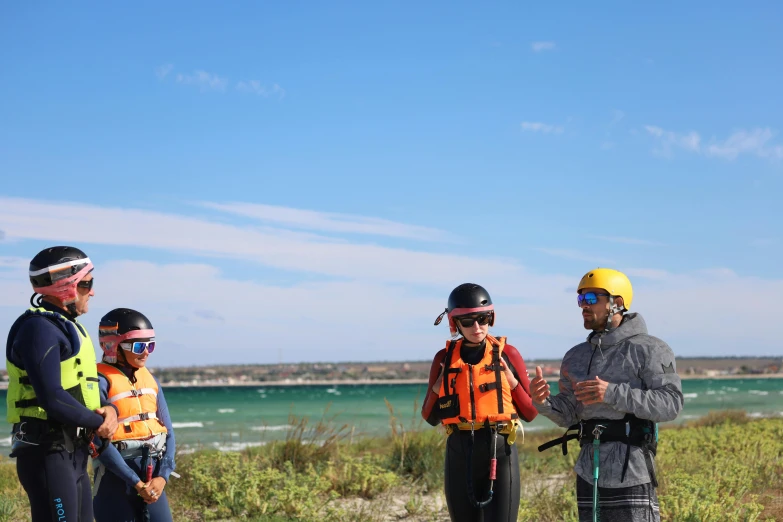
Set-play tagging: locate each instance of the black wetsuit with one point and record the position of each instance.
(505, 502)
(50, 461)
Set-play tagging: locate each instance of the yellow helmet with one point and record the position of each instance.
(613, 281)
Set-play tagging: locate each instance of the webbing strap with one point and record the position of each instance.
(133, 393)
(498, 382)
(447, 365)
(139, 417)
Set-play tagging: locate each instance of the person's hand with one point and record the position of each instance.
(591, 392)
(438, 382)
(109, 426)
(155, 488)
(512, 381)
(144, 492)
(539, 389)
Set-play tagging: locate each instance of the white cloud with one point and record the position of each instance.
(329, 221)
(542, 46)
(668, 140)
(277, 248)
(545, 128)
(617, 116)
(367, 298)
(204, 80)
(164, 70)
(648, 273)
(763, 242)
(626, 240)
(576, 255)
(203, 316)
(754, 142)
(256, 87)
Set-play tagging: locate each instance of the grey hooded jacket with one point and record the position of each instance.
(643, 381)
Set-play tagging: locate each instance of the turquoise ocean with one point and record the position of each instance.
(235, 417)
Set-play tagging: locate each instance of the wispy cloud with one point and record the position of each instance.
(545, 128)
(329, 221)
(756, 142)
(364, 282)
(576, 255)
(617, 116)
(648, 273)
(204, 80)
(164, 70)
(256, 87)
(542, 46)
(627, 240)
(667, 140)
(275, 248)
(764, 242)
(752, 142)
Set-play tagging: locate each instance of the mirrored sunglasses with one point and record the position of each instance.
(138, 347)
(590, 298)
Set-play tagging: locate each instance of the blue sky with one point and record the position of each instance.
(312, 180)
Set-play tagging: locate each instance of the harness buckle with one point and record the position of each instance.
(599, 428)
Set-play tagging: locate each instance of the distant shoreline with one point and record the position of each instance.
(347, 382)
(359, 382)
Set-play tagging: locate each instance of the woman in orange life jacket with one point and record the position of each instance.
(132, 471)
(478, 389)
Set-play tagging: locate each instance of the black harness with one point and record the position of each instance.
(631, 430)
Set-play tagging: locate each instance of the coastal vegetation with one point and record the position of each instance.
(724, 467)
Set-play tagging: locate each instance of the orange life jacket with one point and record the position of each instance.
(475, 392)
(137, 403)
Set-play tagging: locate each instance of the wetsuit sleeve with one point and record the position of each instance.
(560, 408)
(167, 465)
(103, 387)
(662, 400)
(521, 394)
(109, 456)
(41, 344)
(431, 397)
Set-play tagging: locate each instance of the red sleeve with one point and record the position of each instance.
(521, 394)
(430, 397)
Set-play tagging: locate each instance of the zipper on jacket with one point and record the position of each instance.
(472, 396)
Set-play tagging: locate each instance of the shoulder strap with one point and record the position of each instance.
(498, 381)
(447, 365)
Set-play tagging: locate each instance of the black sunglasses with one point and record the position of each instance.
(467, 322)
(87, 285)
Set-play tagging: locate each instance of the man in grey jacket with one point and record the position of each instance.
(614, 388)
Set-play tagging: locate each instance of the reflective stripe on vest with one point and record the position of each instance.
(137, 403)
(133, 393)
(481, 389)
(78, 374)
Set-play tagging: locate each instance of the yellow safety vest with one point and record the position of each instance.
(78, 376)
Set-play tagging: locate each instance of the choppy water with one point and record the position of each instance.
(237, 417)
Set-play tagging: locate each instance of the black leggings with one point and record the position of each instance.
(505, 501)
(57, 484)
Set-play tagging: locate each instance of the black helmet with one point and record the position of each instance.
(467, 298)
(119, 325)
(55, 264)
(468, 295)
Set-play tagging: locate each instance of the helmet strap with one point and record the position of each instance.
(35, 300)
(71, 307)
(613, 309)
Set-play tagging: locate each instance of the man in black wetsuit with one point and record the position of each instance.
(53, 395)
